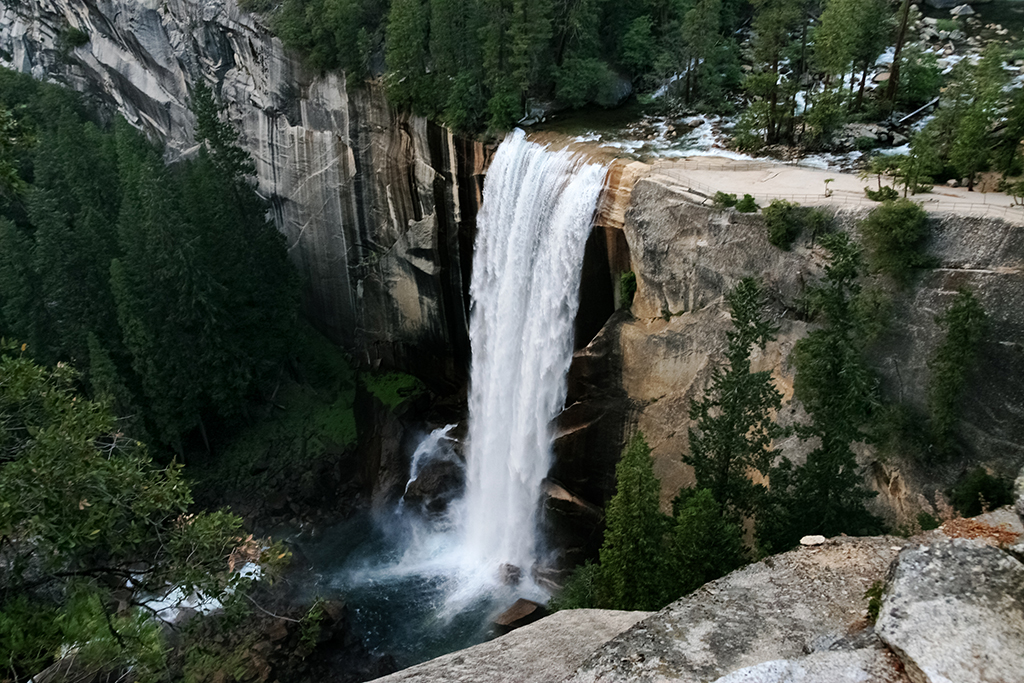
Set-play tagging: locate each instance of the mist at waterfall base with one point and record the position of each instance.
(422, 585)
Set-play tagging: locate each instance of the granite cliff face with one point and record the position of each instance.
(647, 363)
(378, 207)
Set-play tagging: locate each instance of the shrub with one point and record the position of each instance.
(874, 596)
(580, 591)
(627, 289)
(723, 200)
(927, 522)
(883, 194)
(747, 204)
(74, 37)
(783, 222)
(978, 491)
(865, 143)
(894, 233)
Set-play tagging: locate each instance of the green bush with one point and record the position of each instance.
(580, 591)
(73, 37)
(865, 143)
(894, 233)
(946, 25)
(747, 204)
(927, 522)
(783, 222)
(724, 201)
(883, 194)
(874, 596)
(393, 388)
(978, 491)
(627, 289)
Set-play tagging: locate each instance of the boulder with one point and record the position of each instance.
(436, 484)
(954, 611)
(521, 613)
(785, 607)
(545, 651)
(942, 4)
(962, 11)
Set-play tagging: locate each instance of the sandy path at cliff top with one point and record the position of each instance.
(766, 180)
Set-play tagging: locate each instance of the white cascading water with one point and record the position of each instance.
(420, 585)
(537, 213)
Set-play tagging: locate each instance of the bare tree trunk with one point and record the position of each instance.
(889, 100)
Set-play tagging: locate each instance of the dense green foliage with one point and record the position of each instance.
(84, 512)
(747, 204)
(733, 427)
(978, 491)
(965, 324)
(786, 220)
(826, 494)
(166, 285)
(894, 234)
(480, 63)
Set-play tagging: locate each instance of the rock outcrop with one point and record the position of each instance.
(545, 651)
(952, 610)
(955, 612)
(786, 607)
(687, 256)
(378, 207)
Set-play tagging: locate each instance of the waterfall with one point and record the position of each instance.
(537, 213)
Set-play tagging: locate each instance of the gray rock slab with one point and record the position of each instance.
(876, 665)
(545, 651)
(954, 613)
(784, 607)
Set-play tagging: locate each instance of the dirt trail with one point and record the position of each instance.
(766, 180)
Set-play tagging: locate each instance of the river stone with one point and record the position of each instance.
(954, 613)
(545, 651)
(784, 607)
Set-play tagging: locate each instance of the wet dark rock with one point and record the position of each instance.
(436, 485)
(510, 575)
(521, 613)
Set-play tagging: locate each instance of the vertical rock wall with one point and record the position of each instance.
(378, 207)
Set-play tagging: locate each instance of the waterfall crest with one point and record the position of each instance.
(537, 213)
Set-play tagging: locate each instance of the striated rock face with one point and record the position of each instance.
(955, 612)
(378, 208)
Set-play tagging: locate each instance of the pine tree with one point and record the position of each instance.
(826, 495)
(406, 55)
(634, 557)
(965, 323)
(705, 544)
(733, 427)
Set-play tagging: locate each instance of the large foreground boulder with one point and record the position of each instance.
(954, 612)
(545, 651)
(786, 607)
